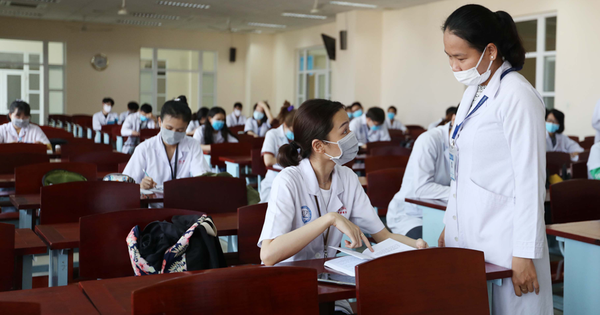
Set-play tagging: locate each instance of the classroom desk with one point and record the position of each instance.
(60, 238)
(582, 265)
(27, 244)
(7, 180)
(54, 301)
(234, 163)
(433, 218)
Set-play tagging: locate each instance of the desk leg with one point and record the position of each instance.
(98, 137)
(26, 272)
(26, 218)
(433, 224)
(259, 180)
(89, 133)
(58, 268)
(233, 169)
(582, 277)
(106, 138)
(119, 143)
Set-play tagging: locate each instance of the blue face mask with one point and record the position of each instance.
(391, 116)
(143, 118)
(218, 125)
(552, 128)
(375, 128)
(350, 115)
(289, 135)
(258, 115)
(357, 113)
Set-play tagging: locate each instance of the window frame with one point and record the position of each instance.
(301, 90)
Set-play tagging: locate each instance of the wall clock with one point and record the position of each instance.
(99, 62)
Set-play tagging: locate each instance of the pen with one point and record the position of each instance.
(145, 173)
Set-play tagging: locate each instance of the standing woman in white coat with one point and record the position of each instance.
(497, 159)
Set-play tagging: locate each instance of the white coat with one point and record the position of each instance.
(594, 159)
(217, 137)
(435, 124)
(252, 125)
(395, 124)
(293, 204)
(427, 176)
(134, 123)
(274, 139)
(233, 121)
(99, 120)
(192, 126)
(596, 122)
(151, 156)
(30, 134)
(364, 134)
(563, 144)
(496, 203)
(123, 116)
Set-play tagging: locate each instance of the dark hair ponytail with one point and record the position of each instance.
(314, 120)
(479, 27)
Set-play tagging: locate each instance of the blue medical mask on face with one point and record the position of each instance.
(391, 115)
(552, 128)
(357, 113)
(350, 115)
(375, 128)
(258, 115)
(289, 135)
(143, 118)
(218, 124)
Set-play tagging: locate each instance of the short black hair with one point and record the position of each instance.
(21, 106)
(356, 104)
(108, 100)
(560, 116)
(238, 104)
(393, 107)
(176, 109)
(182, 98)
(451, 110)
(133, 106)
(376, 114)
(146, 108)
(202, 113)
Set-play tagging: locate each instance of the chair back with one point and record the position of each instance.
(390, 150)
(397, 135)
(3, 119)
(258, 163)
(239, 290)
(105, 161)
(415, 131)
(219, 194)
(379, 144)
(102, 249)
(579, 170)
(148, 133)
(382, 185)
(10, 161)
(28, 179)
(66, 203)
(23, 148)
(575, 200)
(82, 120)
(584, 156)
(574, 138)
(419, 290)
(21, 308)
(236, 129)
(56, 133)
(250, 224)
(555, 161)
(113, 131)
(69, 149)
(374, 163)
(228, 149)
(7, 252)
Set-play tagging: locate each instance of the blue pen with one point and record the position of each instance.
(146, 173)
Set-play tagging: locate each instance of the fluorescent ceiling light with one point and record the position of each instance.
(184, 4)
(267, 25)
(20, 13)
(139, 23)
(305, 16)
(156, 16)
(354, 4)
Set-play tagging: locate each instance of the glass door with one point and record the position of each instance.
(12, 87)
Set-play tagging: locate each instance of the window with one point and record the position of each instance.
(314, 75)
(168, 73)
(539, 39)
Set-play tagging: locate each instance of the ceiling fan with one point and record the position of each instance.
(84, 28)
(231, 29)
(123, 9)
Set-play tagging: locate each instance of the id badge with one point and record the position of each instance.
(453, 156)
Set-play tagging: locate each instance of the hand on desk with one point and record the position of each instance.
(441, 241)
(147, 183)
(524, 276)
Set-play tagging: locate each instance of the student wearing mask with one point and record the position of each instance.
(261, 120)
(19, 128)
(274, 140)
(391, 122)
(596, 121)
(315, 199)
(357, 110)
(132, 108)
(451, 111)
(201, 116)
(106, 116)
(370, 127)
(427, 176)
(143, 119)
(236, 118)
(170, 154)
(349, 112)
(497, 159)
(555, 140)
(214, 130)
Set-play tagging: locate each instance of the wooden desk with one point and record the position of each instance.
(54, 301)
(27, 244)
(7, 180)
(582, 265)
(234, 163)
(433, 217)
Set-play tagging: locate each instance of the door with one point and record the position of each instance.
(12, 87)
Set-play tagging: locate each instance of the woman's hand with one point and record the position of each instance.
(441, 241)
(524, 276)
(574, 154)
(147, 183)
(351, 230)
(421, 244)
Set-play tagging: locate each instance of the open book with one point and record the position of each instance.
(346, 264)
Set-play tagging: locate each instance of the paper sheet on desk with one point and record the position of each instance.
(157, 189)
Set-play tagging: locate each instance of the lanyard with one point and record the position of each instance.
(366, 130)
(173, 173)
(326, 237)
(483, 99)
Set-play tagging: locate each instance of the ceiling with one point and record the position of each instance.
(239, 12)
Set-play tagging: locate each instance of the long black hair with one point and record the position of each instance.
(479, 27)
(560, 117)
(264, 119)
(314, 120)
(209, 130)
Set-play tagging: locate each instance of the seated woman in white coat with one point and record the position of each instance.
(274, 140)
(132, 108)
(370, 127)
(427, 176)
(392, 122)
(214, 130)
(19, 129)
(555, 140)
(450, 111)
(236, 118)
(170, 154)
(199, 121)
(261, 120)
(314, 199)
(133, 124)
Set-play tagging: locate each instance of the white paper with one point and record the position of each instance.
(344, 264)
(387, 247)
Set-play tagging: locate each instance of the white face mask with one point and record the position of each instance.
(348, 149)
(171, 137)
(472, 76)
(20, 123)
(237, 112)
(107, 108)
